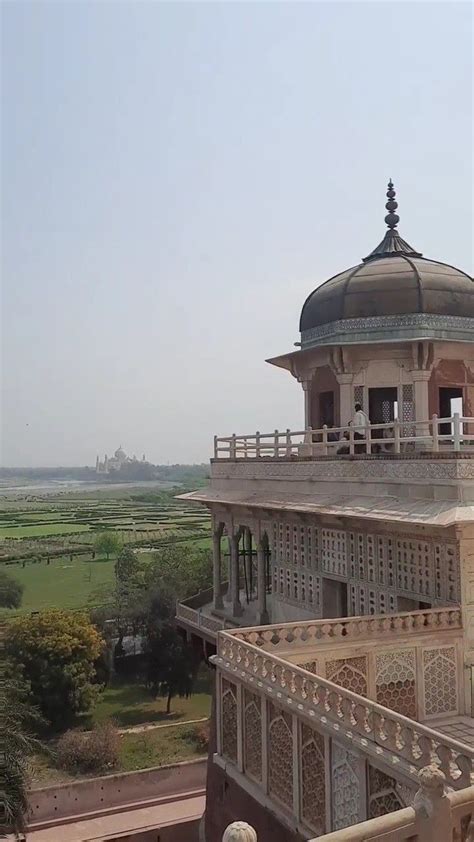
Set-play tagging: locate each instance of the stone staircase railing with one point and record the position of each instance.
(434, 817)
(377, 728)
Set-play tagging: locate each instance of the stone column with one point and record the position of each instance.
(237, 609)
(248, 559)
(420, 390)
(216, 559)
(228, 597)
(306, 384)
(262, 613)
(346, 408)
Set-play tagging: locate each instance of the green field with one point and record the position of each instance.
(36, 531)
(63, 583)
(63, 527)
(131, 704)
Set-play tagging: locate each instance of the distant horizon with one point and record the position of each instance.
(92, 466)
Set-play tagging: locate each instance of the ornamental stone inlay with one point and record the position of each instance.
(375, 328)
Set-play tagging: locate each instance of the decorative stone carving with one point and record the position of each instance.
(440, 680)
(229, 720)
(239, 832)
(383, 795)
(383, 328)
(252, 735)
(395, 681)
(350, 673)
(280, 755)
(313, 779)
(432, 789)
(345, 787)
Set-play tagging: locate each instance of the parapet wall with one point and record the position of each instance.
(96, 795)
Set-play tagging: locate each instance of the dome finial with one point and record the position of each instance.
(392, 219)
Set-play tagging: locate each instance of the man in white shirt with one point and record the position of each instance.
(360, 422)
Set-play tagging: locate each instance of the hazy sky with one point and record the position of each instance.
(178, 177)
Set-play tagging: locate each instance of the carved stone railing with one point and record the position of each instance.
(195, 617)
(394, 437)
(349, 629)
(435, 817)
(375, 728)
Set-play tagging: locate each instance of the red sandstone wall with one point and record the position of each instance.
(227, 802)
(451, 373)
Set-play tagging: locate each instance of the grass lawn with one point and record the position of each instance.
(131, 704)
(41, 531)
(138, 751)
(63, 584)
(159, 747)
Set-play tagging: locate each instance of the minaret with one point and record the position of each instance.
(97, 465)
(106, 464)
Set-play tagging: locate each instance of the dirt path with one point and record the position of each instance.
(152, 726)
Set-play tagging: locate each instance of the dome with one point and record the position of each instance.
(393, 281)
(120, 453)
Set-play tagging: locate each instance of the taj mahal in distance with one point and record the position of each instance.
(117, 462)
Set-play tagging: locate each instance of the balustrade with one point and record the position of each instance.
(349, 629)
(355, 717)
(394, 437)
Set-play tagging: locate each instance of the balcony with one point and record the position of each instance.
(434, 436)
(415, 472)
(328, 723)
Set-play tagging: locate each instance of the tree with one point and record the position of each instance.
(182, 568)
(128, 567)
(170, 664)
(18, 719)
(11, 591)
(107, 542)
(55, 652)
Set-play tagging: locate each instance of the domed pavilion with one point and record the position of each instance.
(341, 620)
(391, 333)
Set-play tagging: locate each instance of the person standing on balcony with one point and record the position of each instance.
(360, 422)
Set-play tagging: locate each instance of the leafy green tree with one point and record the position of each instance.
(182, 568)
(107, 542)
(170, 664)
(128, 568)
(55, 652)
(11, 591)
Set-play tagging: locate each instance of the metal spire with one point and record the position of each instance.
(392, 244)
(392, 219)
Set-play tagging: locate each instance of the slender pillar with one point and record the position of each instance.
(262, 613)
(346, 409)
(306, 384)
(422, 412)
(248, 560)
(230, 573)
(216, 558)
(237, 609)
